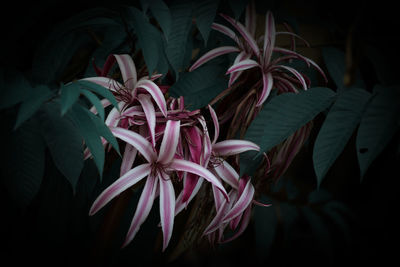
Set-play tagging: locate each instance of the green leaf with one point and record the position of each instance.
(181, 12)
(200, 86)
(378, 125)
(339, 125)
(162, 14)
(205, 12)
(88, 130)
(36, 98)
(24, 168)
(281, 117)
(63, 140)
(336, 65)
(98, 89)
(95, 102)
(69, 95)
(14, 87)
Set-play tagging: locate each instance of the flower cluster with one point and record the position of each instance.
(170, 148)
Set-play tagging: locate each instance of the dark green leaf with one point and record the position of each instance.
(200, 86)
(342, 120)
(95, 102)
(98, 89)
(205, 12)
(281, 117)
(69, 95)
(378, 125)
(64, 142)
(181, 12)
(24, 168)
(14, 87)
(37, 96)
(161, 13)
(88, 130)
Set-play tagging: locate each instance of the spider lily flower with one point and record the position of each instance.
(158, 170)
(273, 72)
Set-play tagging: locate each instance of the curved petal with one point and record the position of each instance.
(128, 70)
(269, 37)
(235, 75)
(233, 147)
(128, 159)
(242, 65)
(114, 116)
(243, 202)
(108, 83)
(245, 222)
(225, 30)
(180, 204)
(169, 142)
(296, 74)
(143, 208)
(190, 183)
(267, 86)
(137, 141)
(187, 166)
(214, 118)
(123, 183)
(150, 114)
(156, 93)
(227, 173)
(167, 207)
(213, 54)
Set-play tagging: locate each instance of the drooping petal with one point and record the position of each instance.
(213, 54)
(124, 182)
(225, 30)
(267, 86)
(269, 37)
(250, 19)
(214, 118)
(167, 207)
(245, 222)
(150, 114)
(128, 70)
(109, 83)
(243, 202)
(169, 142)
(180, 204)
(233, 147)
(296, 74)
(184, 165)
(156, 93)
(242, 65)
(143, 208)
(137, 141)
(235, 75)
(245, 34)
(189, 184)
(128, 159)
(227, 173)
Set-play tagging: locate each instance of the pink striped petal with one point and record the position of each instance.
(167, 207)
(269, 37)
(193, 138)
(108, 83)
(156, 93)
(235, 75)
(267, 86)
(213, 54)
(128, 159)
(245, 222)
(216, 123)
(243, 202)
(128, 70)
(137, 141)
(169, 142)
(225, 30)
(187, 166)
(250, 19)
(245, 34)
(143, 208)
(110, 61)
(242, 65)
(227, 173)
(190, 183)
(150, 114)
(233, 147)
(180, 205)
(296, 74)
(123, 183)
(114, 116)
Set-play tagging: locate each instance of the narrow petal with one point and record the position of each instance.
(227, 173)
(123, 183)
(167, 207)
(128, 70)
(184, 165)
(245, 222)
(193, 139)
(143, 208)
(214, 118)
(213, 54)
(243, 202)
(235, 75)
(242, 65)
(180, 205)
(114, 116)
(128, 159)
(245, 34)
(250, 19)
(190, 183)
(169, 142)
(137, 141)
(225, 30)
(296, 74)
(267, 86)
(109, 83)
(269, 37)
(233, 147)
(110, 61)
(150, 114)
(156, 93)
